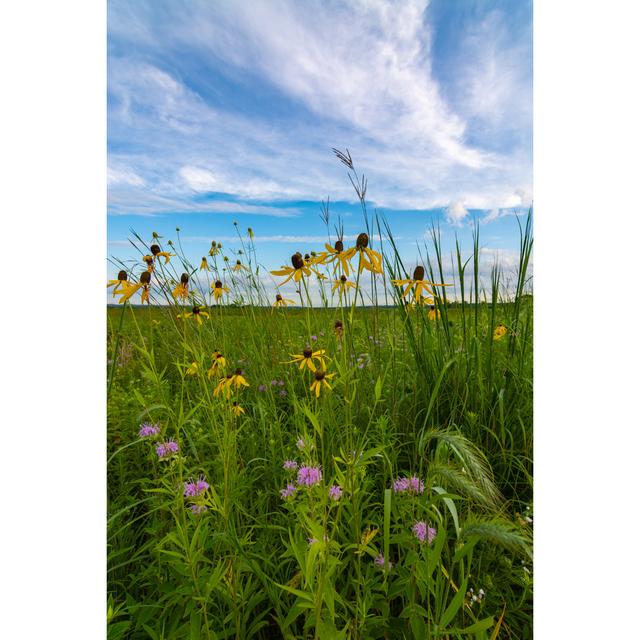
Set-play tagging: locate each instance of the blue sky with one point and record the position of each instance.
(223, 111)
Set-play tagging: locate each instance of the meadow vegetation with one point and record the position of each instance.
(355, 467)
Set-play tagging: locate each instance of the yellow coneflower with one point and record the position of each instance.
(343, 285)
(297, 271)
(419, 285)
(282, 302)
(237, 409)
(145, 279)
(156, 251)
(500, 332)
(196, 313)
(223, 387)
(237, 380)
(214, 251)
(433, 313)
(337, 256)
(306, 358)
(219, 364)
(369, 259)
(238, 266)
(219, 289)
(193, 369)
(128, 289)
(182, 289)
(119, 284)
(320, 380)
(148, 260)
(204, 265)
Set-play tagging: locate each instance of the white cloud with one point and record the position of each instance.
(368, 85)
(123, 176)
(456, 212)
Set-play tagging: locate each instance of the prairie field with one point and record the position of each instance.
(346, 464)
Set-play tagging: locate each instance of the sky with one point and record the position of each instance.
(223, 112)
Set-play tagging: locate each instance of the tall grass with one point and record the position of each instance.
(414, 394)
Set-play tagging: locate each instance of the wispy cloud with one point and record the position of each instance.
(209, 96)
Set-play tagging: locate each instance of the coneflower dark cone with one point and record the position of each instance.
(122, 275)
(362, 241)
(155, 249)
(145, 277)
(218, 284)
(184, 278)
(339, 246)
(297, 261)
(418, 273)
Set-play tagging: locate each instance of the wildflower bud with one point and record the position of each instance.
(218, 284)
(278, 297)
(307, 352)
(155, 234)
(213, 243)
(145, 277)
(184, 278)
(170, 243)
(122, 275)
(297, 261)
(178, 229)
(339, 246)
(314, 254)
(343, 278)
(418, 273)
(219, 245)
(362, 241)
(155, 249)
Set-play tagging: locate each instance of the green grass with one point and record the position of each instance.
(436, 398)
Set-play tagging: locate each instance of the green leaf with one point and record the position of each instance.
(454, 605)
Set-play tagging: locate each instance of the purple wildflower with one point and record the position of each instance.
(314, 338)
(382, 563)
(195, 488)
(300, 443)
(198, 508)
(165, 449)
(262, 387)
(290, 465)
(309, 476)
(408, 485)
(283, 393)
(147, 430)
(423, 532)
(281, 383)
(311, 541)
(335, 492)
(274, 383)
(289, 490)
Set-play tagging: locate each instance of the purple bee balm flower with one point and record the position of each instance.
(314, 338)
(290, 465)
(274, 383)
(382, 563)
(262, 387)
(335, 492)
(408, 485)
(423, 532)
(165, 449)
(195, 488)
(288, 491)
(309, 476)
(147, 430)
(400, 485)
